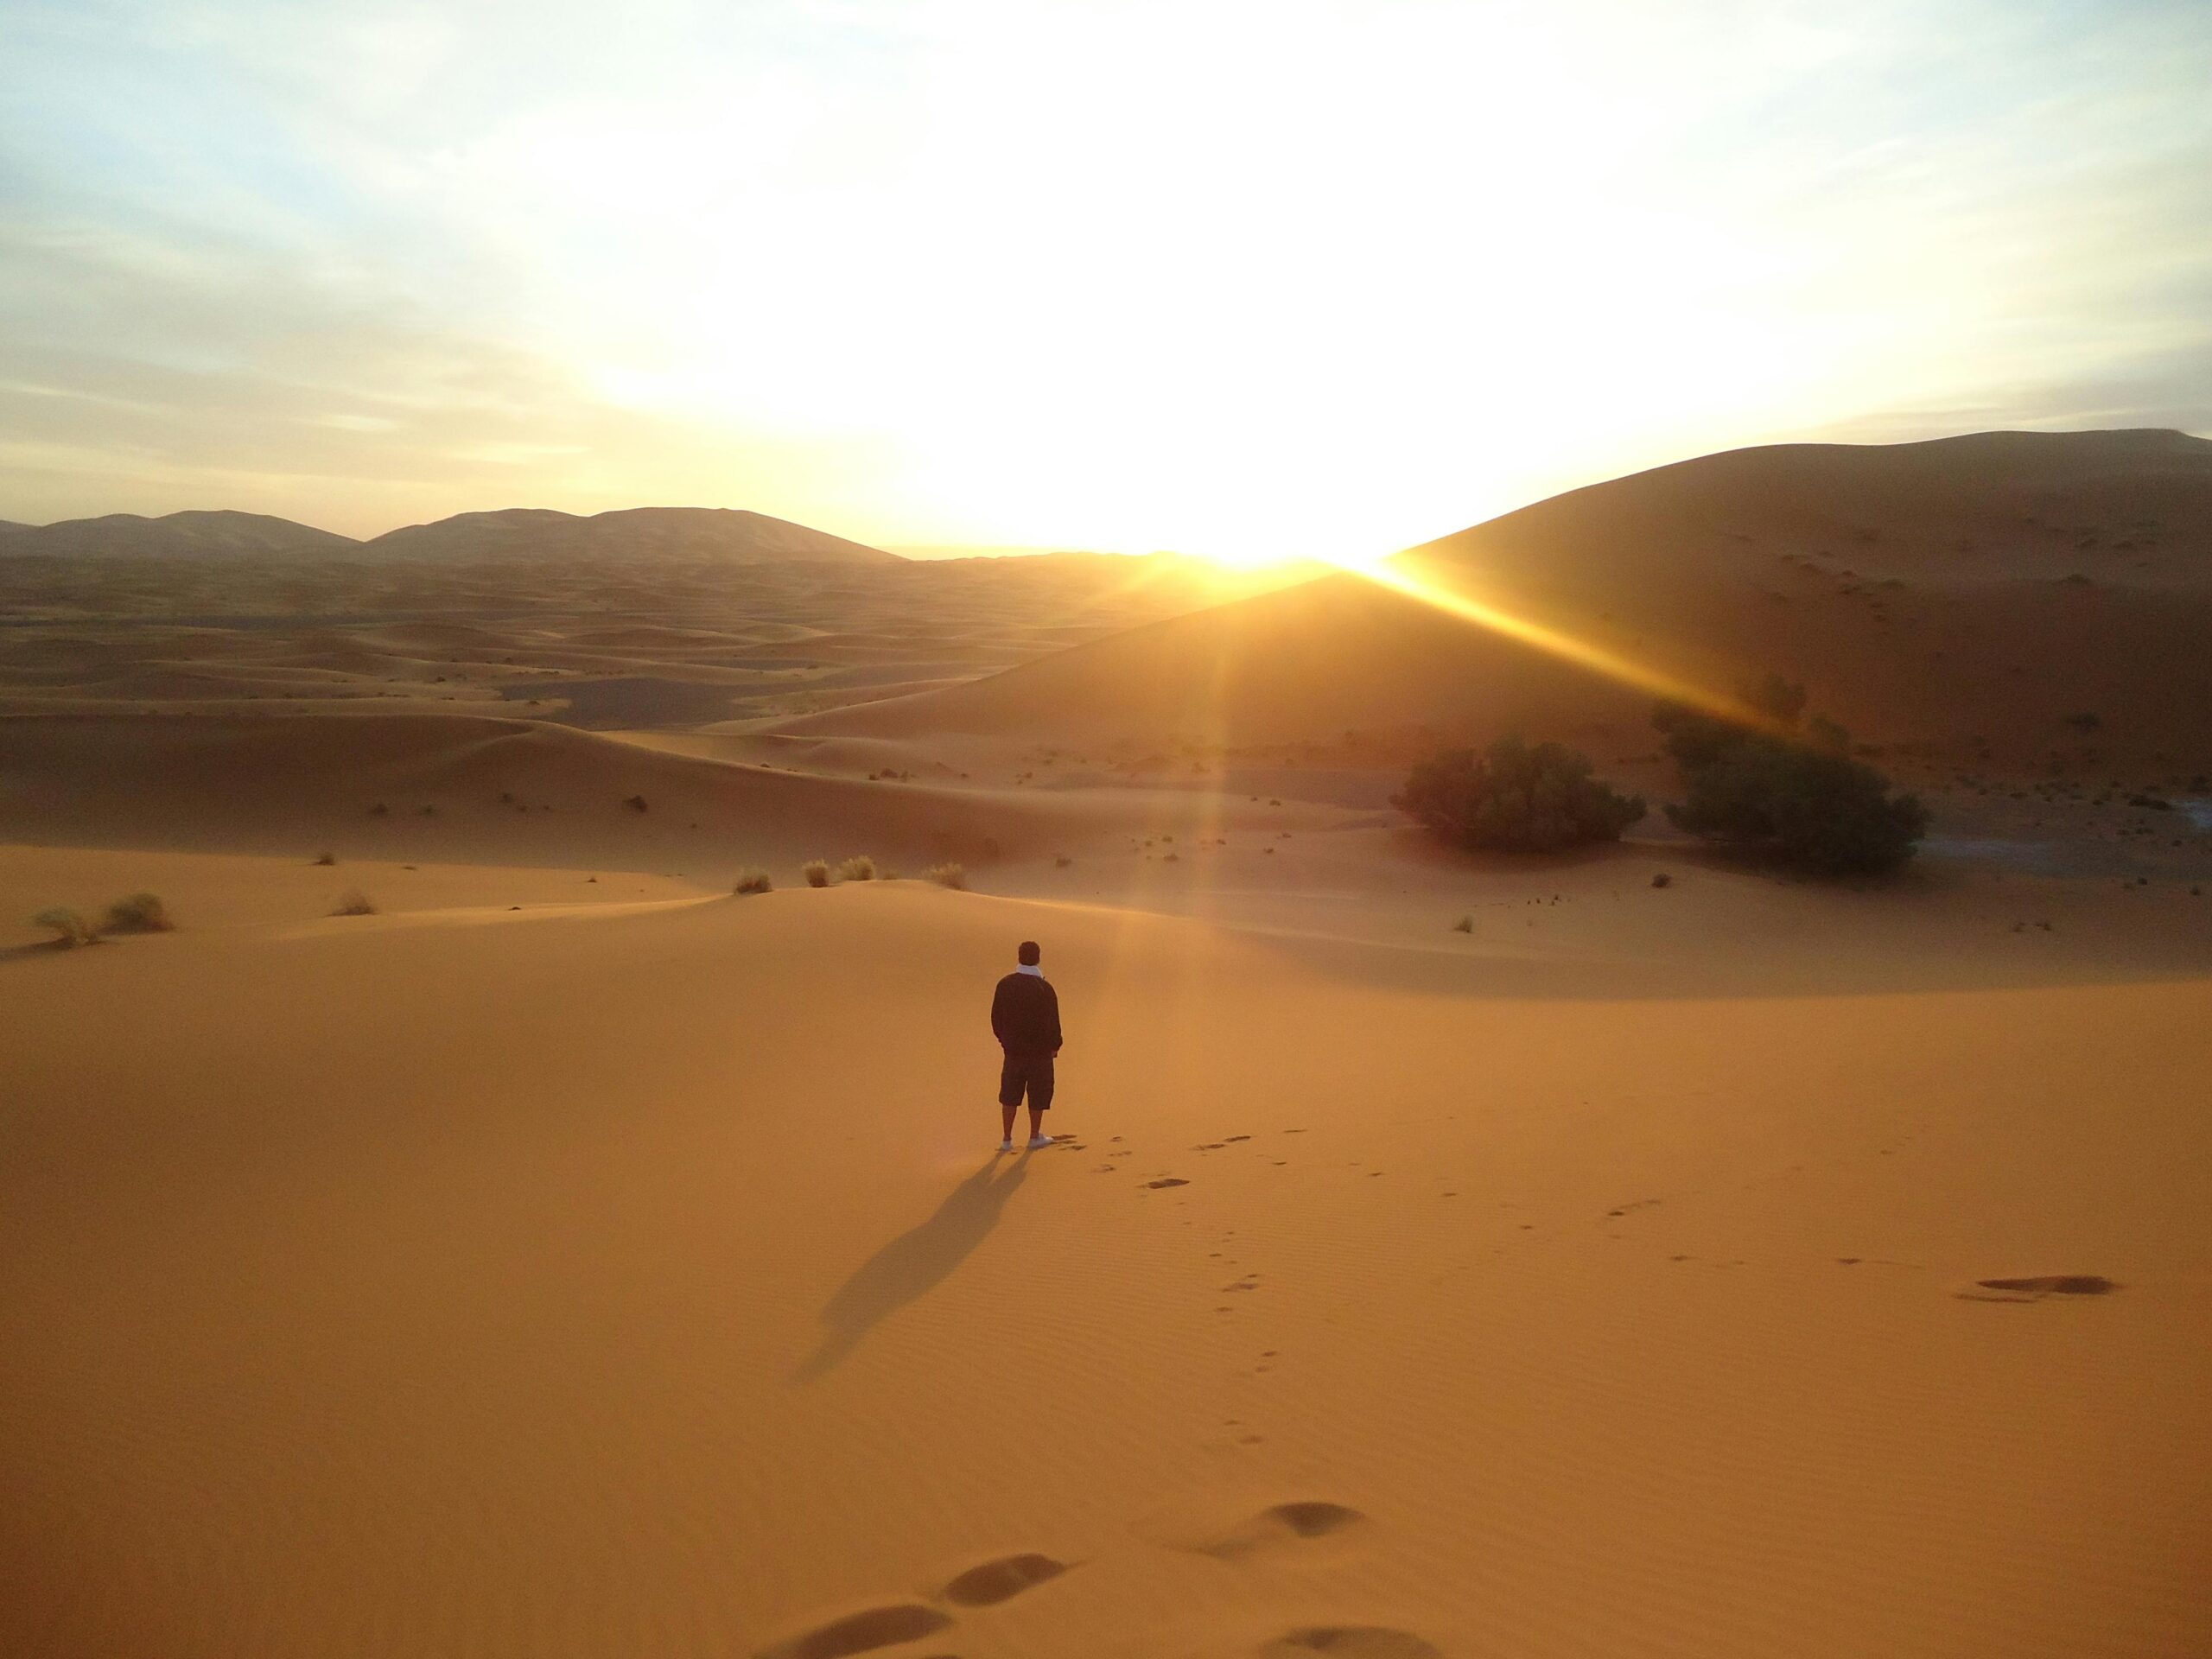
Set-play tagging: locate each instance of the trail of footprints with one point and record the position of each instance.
(1291, 1526)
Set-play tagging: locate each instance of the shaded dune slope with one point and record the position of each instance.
(1983, 589)
(497, 792)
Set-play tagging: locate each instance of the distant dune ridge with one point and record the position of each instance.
(638, 532)
(1990, 587)
(715, 532)
(175, 533)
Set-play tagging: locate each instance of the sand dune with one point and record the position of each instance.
(547, 634)
(174, 535)
(635, 532)
(1970, 596)
(538, 1282)
(455, 787)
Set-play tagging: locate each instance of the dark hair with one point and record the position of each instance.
(1028, 955)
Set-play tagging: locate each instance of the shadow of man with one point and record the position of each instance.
(911, 1265)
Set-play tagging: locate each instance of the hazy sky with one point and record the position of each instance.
(1232, 278)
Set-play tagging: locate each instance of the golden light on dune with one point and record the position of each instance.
(1453, 598)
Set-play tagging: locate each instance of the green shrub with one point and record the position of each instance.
(859, 868)
(1515, 799)
(141, 912)
(749, 881)
(70, 929)
(815, 872)
(1798, 795)
(948, 875)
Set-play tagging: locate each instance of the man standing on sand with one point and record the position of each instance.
(1025, 1019)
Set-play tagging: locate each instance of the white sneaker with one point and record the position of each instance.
(1037, 1141)
(1005, 1145)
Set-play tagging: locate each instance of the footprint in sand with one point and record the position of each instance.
(1279, 1526)
(2035, 1287)
(862, 1632)
(1350, 1642)
(995, 1581)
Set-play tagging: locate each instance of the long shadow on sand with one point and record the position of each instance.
(911, 1264)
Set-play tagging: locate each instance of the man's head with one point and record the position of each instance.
(1028, 955)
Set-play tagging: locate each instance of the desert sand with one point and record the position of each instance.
(574, 1258)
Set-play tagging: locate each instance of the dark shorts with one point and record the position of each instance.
(1032, 1073)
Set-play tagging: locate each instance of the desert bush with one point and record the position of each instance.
(860, 867)
(69, 928)
(141, 912)
(948, 875)
(355, 903)
(815, 872)
(635, 803)
(326, 858)
(1515, 798)
(752, 881)
(1062, 862)
(1465, 925)
(1798, 795)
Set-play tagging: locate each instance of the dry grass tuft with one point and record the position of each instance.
(752, 881)
(355, 903)
(70, 929)
(859, 868)
(141, 912)
(817, 873)
(1465, 925)
(327, 858)
(948, 875)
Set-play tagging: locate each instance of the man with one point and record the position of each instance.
(1025, 1019)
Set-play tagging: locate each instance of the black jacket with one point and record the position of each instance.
(1026, 1015)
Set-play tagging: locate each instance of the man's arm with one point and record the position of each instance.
(1054, 1000)
(999, 1014)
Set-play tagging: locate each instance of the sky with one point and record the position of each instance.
(1252, 280)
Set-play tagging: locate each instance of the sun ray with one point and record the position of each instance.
(1454, 601)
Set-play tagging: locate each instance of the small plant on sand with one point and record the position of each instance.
(817, 873)
(752, 881)
(1515, 798)
(327, 858)
(860, 867)
(1062, 862)
(70, 930)
(948, 875)
(635, 803)
(141, 912)
(355, 903)
(1465, 925)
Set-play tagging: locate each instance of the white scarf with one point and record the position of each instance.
(1036, 968)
